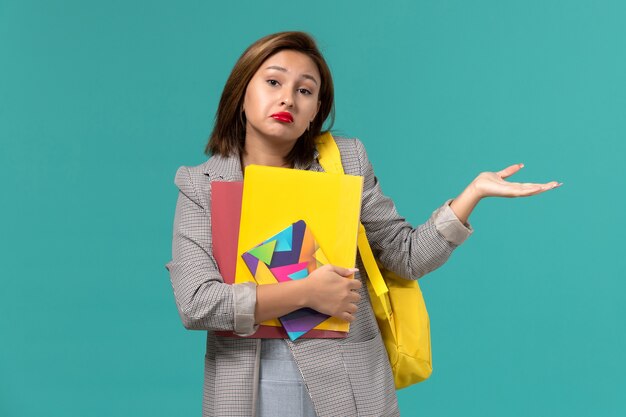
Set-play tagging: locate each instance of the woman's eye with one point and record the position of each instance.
(304, 91)
(272, 82)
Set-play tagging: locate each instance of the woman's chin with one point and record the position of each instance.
(277, 136)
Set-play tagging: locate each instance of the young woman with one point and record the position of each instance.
(275, 102)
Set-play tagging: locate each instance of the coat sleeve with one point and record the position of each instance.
(409, 252)
(203, 300)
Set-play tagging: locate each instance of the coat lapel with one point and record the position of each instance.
(220, 168)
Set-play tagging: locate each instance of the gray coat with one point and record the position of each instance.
(344, 377)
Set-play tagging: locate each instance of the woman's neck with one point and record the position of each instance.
(264, 153)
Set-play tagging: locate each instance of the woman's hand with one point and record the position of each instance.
(492, 184)
(329, 291)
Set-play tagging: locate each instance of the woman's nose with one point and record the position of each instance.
(287, 100)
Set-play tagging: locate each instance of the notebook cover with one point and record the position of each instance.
(290, 254)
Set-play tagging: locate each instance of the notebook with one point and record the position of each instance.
(291, 254)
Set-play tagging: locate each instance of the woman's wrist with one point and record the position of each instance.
(276, 300)
(301, 292)
(464, 204)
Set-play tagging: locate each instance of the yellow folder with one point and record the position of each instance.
(330, 204)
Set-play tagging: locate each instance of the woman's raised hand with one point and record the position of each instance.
(330, 291)
(492, 184)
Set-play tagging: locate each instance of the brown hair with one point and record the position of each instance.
(229, 131)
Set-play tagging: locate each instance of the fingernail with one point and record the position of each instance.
(354, 269)
(521, 165)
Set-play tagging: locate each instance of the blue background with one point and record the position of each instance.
(100, 102)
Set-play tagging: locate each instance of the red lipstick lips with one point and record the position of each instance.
(283, 116)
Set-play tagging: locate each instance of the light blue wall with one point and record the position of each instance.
(100, 102)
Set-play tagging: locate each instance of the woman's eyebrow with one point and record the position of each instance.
(307, 76)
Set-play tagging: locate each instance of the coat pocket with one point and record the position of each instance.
(371, 378)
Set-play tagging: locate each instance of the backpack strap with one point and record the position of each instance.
(329, 156)
(330, 160)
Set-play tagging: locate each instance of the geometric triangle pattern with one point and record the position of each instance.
(264, 252)
(291, 254)
(284, 240)
(264, 275)
(283, 273)
(320, 258)
(303, 273)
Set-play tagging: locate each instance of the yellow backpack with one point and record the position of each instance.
(397, 302)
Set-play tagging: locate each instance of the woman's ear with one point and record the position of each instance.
(319, 103)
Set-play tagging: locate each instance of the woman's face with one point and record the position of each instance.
(282, 98)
